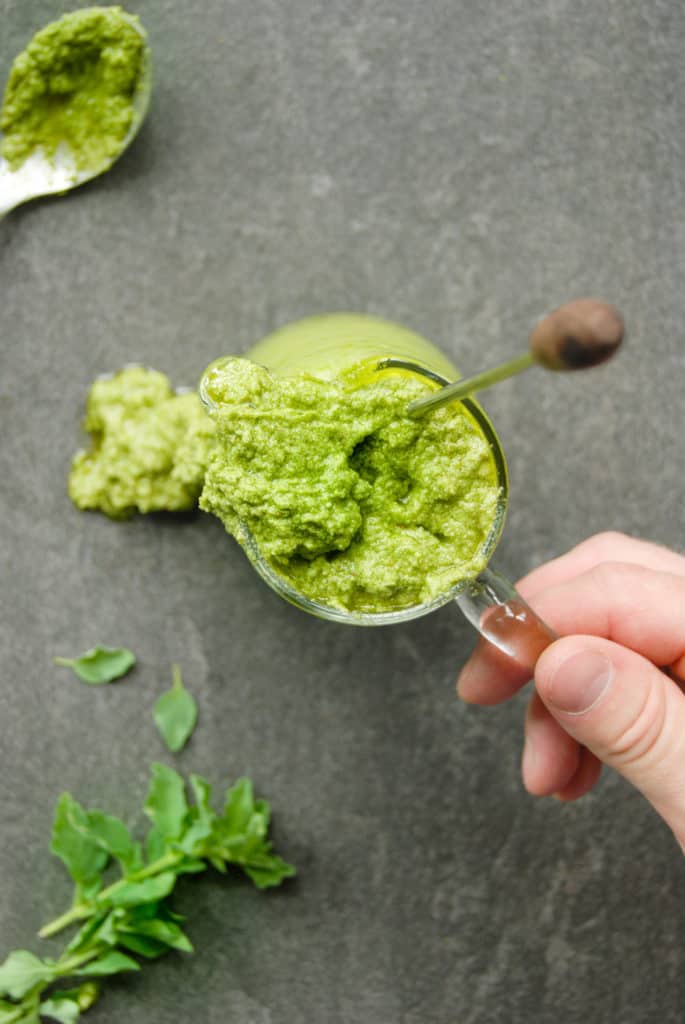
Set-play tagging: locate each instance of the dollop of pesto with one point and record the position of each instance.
(74, 83)
(150, 446)
(355, 504)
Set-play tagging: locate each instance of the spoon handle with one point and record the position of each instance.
(469, 385)
(575, 336)
(494, 606)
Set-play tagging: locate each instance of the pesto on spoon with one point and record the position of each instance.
(75, 99)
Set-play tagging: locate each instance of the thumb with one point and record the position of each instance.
(626, 711)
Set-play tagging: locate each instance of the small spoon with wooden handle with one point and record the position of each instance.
(576, 336)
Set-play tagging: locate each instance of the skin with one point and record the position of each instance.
(616, 602)
(74, 84)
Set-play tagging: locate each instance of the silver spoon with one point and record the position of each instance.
(38, 176)
(575, 336)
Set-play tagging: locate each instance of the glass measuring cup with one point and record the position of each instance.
(328, 345)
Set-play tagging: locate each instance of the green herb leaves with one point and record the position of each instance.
(166, 805)
(108, 963)
(175, 713)
(21, 972)
(243, 828)
(128, 914)
(64, 1010)
(85, 841)
(83, 858)
(100, 664)
(237, 837)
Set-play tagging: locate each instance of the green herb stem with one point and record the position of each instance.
(21, 1011)
(130, 915)
(77, 913)
(67, 965)
(84, 910)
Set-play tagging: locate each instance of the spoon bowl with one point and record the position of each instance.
(39, 175)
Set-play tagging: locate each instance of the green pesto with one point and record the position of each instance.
(355, 504)
(74, 84)
(150, 446)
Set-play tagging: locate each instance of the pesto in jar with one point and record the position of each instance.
(354, 503)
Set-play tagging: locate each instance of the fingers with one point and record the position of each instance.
(641, 608)
(554, 763)
(489, 676)
(551, 757)
(603, 547)
(626, 711)
(589, 770)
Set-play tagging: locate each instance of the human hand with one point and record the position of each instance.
(610, 689)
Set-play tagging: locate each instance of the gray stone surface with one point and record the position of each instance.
(459, 166)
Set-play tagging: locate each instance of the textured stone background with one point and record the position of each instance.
(460, 166)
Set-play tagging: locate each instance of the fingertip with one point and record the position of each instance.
(489, 676)
(584, 780)
(550, 756)
(464, 687)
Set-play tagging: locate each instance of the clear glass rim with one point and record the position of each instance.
(323, 611)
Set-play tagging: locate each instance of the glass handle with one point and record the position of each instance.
(493, 605)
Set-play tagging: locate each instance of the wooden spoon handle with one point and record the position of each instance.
(577, 335)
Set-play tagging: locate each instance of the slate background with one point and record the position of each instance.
(460, 166)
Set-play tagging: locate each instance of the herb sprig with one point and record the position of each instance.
(131, 915)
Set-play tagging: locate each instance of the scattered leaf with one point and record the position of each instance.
(175, 713)
(100, 664)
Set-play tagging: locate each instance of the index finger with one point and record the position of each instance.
(610, 546)
(639, 608)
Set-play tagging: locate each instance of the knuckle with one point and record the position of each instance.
(607, 545)
(612, 578)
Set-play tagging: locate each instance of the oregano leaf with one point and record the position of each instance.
(83, 857)
(65, 1011)
(175, 713)
(100, 665)
(21, 972)
(111, 963)
(130, 894)
(166, 803)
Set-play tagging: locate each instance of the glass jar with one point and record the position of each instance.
(361, 348)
